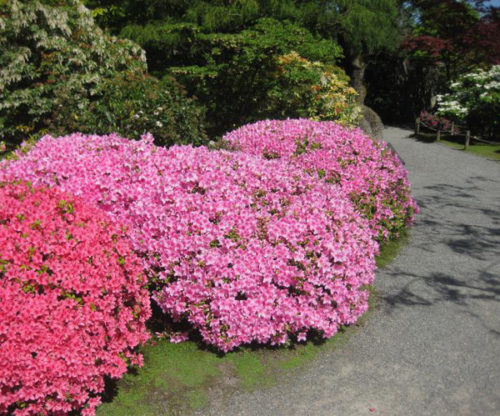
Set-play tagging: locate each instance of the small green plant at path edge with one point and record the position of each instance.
(178, 379)
(391, 249)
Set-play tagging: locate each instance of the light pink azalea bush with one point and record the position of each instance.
(370, 174)
(244, 249)
(73, 302)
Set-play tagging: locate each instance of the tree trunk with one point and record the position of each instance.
(358, 67)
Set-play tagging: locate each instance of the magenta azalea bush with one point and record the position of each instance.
(244, 249)
(435, 122)
(367, 171)
(73, 302)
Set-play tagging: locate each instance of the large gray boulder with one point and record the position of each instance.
(371, 123)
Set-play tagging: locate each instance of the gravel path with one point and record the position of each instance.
(432, 346)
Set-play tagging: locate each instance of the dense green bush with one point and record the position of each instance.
(56, 65)
(132, 104)
(47, 46)
(230, 73)
(311, 90)
(186, 44)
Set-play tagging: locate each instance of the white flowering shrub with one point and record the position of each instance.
(47, 46)
(475, 100)
(57, 67)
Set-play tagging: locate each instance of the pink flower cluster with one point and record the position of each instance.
(437, 123)
(367, 171)
(244, 249)
(73, 302)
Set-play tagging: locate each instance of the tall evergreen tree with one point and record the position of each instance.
(364, 28)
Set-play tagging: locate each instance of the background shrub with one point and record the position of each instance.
(72, 302)
(435, 122)
(201, 219)
(230, 71)
(368, 172)
(48, 46)
(59, 73)
(400, 54)
(311, 90)
(132, 104)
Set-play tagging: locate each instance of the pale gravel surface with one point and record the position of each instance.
(432, 346)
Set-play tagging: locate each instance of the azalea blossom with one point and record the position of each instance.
(244, 249)
(368, 172)
(73, 302)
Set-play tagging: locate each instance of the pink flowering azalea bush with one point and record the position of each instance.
(73, 302)
(367, 171)
(244, 249)
(435, 122)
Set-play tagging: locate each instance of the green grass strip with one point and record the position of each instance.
(490, 151)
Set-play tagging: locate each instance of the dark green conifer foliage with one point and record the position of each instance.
(364, 28)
